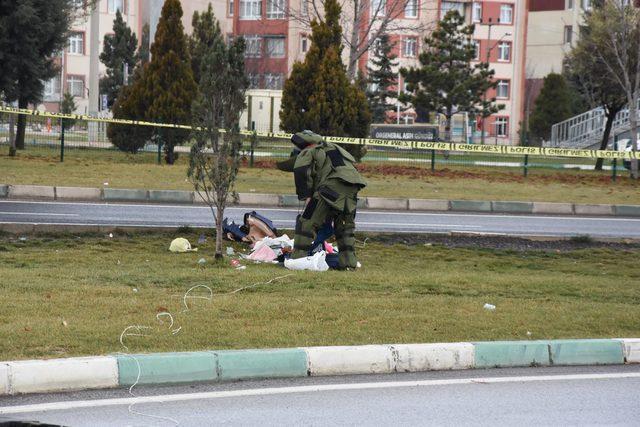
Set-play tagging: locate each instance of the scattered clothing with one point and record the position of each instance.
(316, 262)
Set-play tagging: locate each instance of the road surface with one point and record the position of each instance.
(527, 396)
(155, 215)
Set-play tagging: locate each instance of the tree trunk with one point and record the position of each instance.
(353, 48)
(22, 125)
(633, 121)
(12, 135)
(611, 115)
(219, 215)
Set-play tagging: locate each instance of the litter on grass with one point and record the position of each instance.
(180, 245)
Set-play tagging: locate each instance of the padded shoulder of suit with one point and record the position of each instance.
(342, 151)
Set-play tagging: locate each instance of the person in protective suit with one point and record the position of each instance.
(326, 178)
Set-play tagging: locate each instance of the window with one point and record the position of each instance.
(275, 47)
(275, 9)
(254, 81)
(504, 52)
(502, 90)
(231, 6)
(250, 9)
(476, 15)
(409, 47)
(506, 14)
(304, 44)
(378, 8)
(254, 46)
(411, 9)
(76, 43)
(78, 3)
(273, 81)
(569, 5)
(447, 6)
(75, 86)
(304, 7)
(52, 88)
(586, 4)
(502, 126)
(476, 49)
(115, 5)
(568, 34)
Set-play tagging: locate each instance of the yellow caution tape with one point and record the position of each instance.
(402, 144)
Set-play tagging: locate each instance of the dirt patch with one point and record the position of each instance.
(500, 242)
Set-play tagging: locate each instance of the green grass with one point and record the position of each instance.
(65, 296)
(92, 168)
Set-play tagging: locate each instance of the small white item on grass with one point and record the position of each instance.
(105, 184)
(111, 235)
(202, 239)
(316, 262)
(202, 261)
(181, 244)
(230, 251)
(64, 323)
(135, 289)
(528, 333)
(242, 267)
(23, 239)
(358, 265)
(118, 262)
(489, 307)
(252, 190)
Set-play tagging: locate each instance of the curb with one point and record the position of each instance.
(39, 376)
(39, 192)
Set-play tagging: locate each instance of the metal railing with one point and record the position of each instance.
(585, 130)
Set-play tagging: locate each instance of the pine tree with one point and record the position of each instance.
(446, 82)
(68, 106)
(118, 54)
(553, 105)
(318, 95)
(215, 157)
(168, 80)
(131, 104)
(381, 78)
(206, 34)
(143, 51)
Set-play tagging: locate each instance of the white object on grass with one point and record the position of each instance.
(317, 262)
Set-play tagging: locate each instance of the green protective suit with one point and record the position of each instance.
(325, 174)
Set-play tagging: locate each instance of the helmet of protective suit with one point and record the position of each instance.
(305, 138)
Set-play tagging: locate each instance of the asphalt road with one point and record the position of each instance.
(153, 215)
(527, 396)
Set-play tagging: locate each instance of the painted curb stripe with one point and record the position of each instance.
(165, 368)
(245, 364)
(586, 352)
(502, 354)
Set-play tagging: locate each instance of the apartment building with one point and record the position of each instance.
(523, 40)
(75, 60)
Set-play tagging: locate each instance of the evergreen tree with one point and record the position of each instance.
(318, 95)
(118, 54)
(446, 82)
(553, 105)
(143, 51)
(215, 157)
(206, 35)
(131, 104)
(31, 33)
(381, 78)
(168, 80)
(68, 106)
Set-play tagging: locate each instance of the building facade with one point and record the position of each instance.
(522, 40)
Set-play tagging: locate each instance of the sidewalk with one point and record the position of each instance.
(124, 370)
(287, 200)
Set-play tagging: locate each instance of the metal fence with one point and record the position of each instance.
(88, 141)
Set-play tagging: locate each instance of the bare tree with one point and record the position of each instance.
(363, 21)
(615, 29)
(215, 156)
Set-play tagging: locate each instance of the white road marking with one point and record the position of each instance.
(66, 405)
(39, 213)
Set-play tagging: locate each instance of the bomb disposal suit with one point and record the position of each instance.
(325, 176)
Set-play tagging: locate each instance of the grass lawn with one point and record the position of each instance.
(91, 168)
(67, 296)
